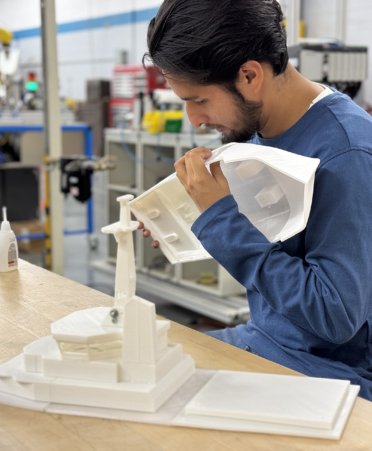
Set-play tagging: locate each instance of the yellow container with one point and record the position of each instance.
(5, 36)
(154, 121)
(151, 121)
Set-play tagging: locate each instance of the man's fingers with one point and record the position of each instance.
(185, 167)
(196, 165)
(141, 225)
(189, 168)
(146, 233)
(203, 152)
(216, 171)
(180, 167)
(219, 176)
(180, 162)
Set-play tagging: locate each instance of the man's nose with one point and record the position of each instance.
(196, 117)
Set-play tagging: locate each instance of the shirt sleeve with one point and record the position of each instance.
(329, 292)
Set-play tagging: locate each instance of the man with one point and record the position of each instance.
(311, 296)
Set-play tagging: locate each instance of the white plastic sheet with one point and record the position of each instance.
(272, 187)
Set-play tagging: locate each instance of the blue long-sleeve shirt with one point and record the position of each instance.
(310, 297)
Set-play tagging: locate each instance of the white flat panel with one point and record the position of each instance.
(227, 424)
(294, 400)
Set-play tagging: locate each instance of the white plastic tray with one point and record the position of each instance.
(272, 187)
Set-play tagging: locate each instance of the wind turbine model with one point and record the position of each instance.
(104, 357)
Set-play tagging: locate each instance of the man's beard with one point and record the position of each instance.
(250, 114)
(249, 122)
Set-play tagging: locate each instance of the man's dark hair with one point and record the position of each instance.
(207, 41)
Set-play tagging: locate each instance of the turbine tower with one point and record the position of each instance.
(125, 281)
(135, 315)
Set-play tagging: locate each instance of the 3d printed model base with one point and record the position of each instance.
(174, 411)
(273, 189)
(84, 392)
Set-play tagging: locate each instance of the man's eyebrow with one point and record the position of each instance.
(190, 98)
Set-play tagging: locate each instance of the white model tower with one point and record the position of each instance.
(125, 283)
(135, 316)
(144, 338)
(104, 357)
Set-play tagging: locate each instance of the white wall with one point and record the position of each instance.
(320, 19)
(82, 55)
(91, 53)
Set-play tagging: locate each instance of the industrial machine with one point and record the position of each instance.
(331, 62)
(16, 94)
(131, 82)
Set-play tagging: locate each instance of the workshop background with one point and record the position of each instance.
(116, 120)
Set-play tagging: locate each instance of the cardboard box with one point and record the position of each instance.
(27, 228)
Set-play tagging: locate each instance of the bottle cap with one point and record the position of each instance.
(5, 225)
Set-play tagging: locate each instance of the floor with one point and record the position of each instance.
(78, 255)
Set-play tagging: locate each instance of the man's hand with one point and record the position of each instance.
(146, 233)
(203, 187)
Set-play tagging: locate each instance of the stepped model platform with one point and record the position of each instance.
(104, 357)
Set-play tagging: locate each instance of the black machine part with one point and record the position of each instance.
(76, 179)
(19, 191)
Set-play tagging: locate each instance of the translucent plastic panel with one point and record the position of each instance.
(259, 198)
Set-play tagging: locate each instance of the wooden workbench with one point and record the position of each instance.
(31, 298)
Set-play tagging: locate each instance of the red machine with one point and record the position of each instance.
(127, 83)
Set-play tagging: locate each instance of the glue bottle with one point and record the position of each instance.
(8, 246)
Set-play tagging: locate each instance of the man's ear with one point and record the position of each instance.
(251, 77)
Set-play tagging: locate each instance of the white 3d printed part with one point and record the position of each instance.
(273, 189)
(117, 358)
